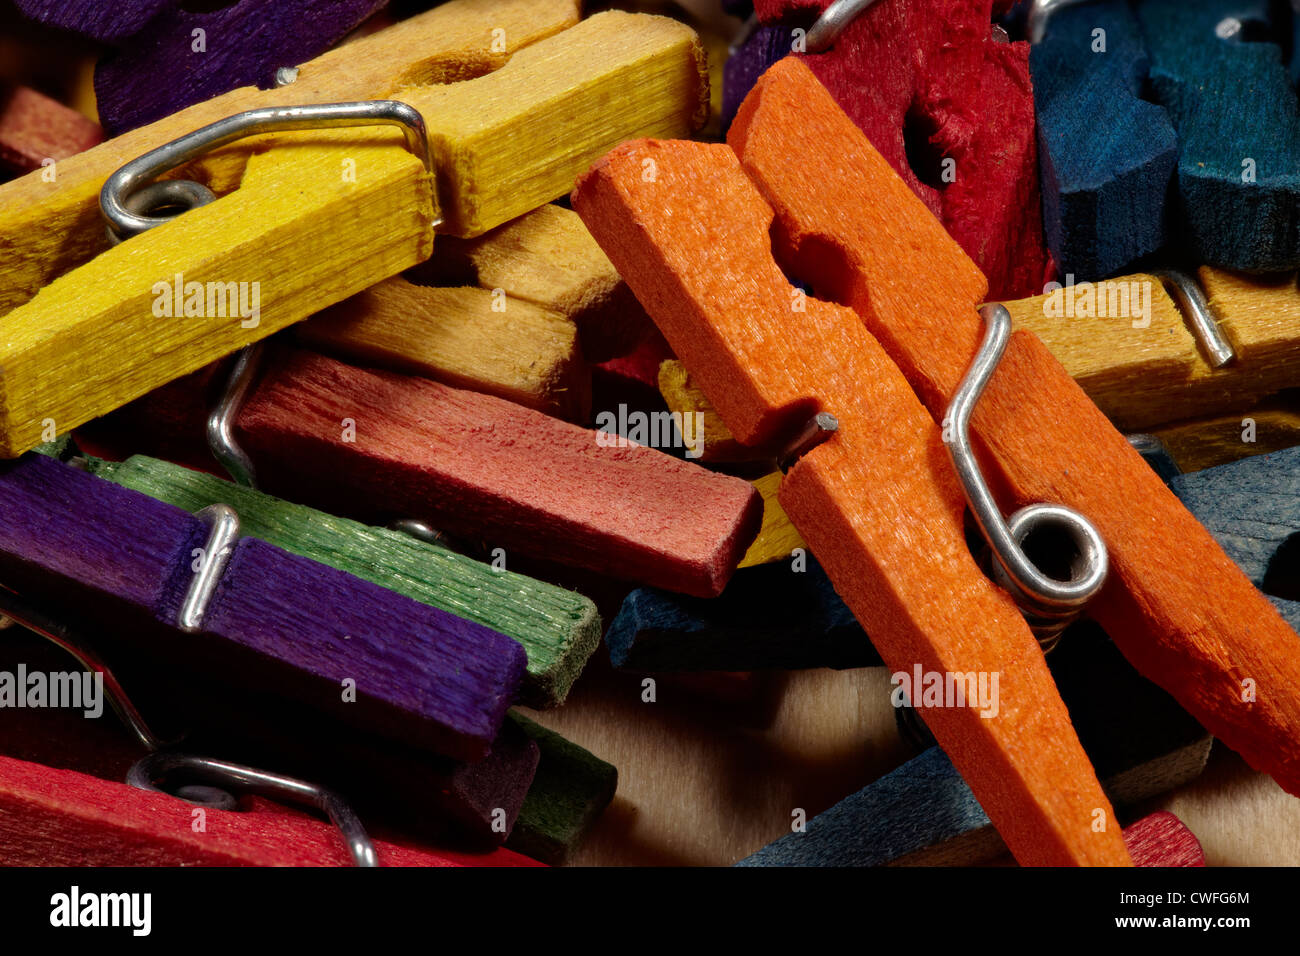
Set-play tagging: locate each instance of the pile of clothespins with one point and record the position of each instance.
(780, 433)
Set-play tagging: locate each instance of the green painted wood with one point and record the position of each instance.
(570, 791)
(558, 628)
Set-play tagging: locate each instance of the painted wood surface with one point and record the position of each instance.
(36, 130)
(699, 260)
(558, 628)
(1104, 196)
(276, 622)
(1199, 643)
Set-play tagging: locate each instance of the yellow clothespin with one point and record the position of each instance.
(517, 96)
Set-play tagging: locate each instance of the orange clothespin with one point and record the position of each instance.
(693, 229)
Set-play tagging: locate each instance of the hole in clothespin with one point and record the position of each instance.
(1282, 579)
(923, 155)
(1053, 551)
(816, 265)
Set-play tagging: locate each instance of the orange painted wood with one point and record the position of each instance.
(52, 817)
(878, 503)
(1182, 613)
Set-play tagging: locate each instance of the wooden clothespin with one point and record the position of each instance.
(549, 259)
(558, 628)
(1252, 507)
(947, 101)
(293, 189)
(1200, 643)
(1107, 155)
(1218, 69)
(1149, 359)
(471, 338)
(875, 499)
(182, 57)
(1140, 741)
(54, 817)
(189, 591)
(476, 467)
(772, 616)
(36, 131)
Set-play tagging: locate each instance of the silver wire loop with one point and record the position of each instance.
(145, 773)
(221, 420)
(166, 200)
(37, 621)
(135, 175)
(833, 21)
(1049, 604)
(1195, 307)
(212, 564)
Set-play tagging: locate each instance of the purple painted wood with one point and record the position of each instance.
(170, 64)
(109, 21)
(277, 623)
(760, 50)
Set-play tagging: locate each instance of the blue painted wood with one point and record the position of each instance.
(1252, 507)
(1106, 156)
(1233, 105)
(277, 622)
(768, 616)
(1139, 740)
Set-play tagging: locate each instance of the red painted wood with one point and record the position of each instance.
(52, 817)
(928, 72)
(1163, 840)
(482, 468)
(35, 128)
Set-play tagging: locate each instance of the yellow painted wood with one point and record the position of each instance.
(48, 227)
(777, 537)
(322, 215)
(467, 337)
(1149, 376)
(682, 394)
(548, 257)
(1220, 439)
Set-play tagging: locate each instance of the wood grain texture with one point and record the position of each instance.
(485, 469)
(927, 83)
(1163, 840)
(694, 245)
(90, 18)
(558, 628)
(768, 617)
(1207, 442)
(54, 817)
(1238, 173)
(923, 814)
(467, 337)
(443, 45)
(165, 67)
(777, 537)
(682, 394)
(35, 129)
(1198, 642)
(571, 790)
(1104, 195)
(548, 258)
(490, 130)
(1145, 371)
(276, 621)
